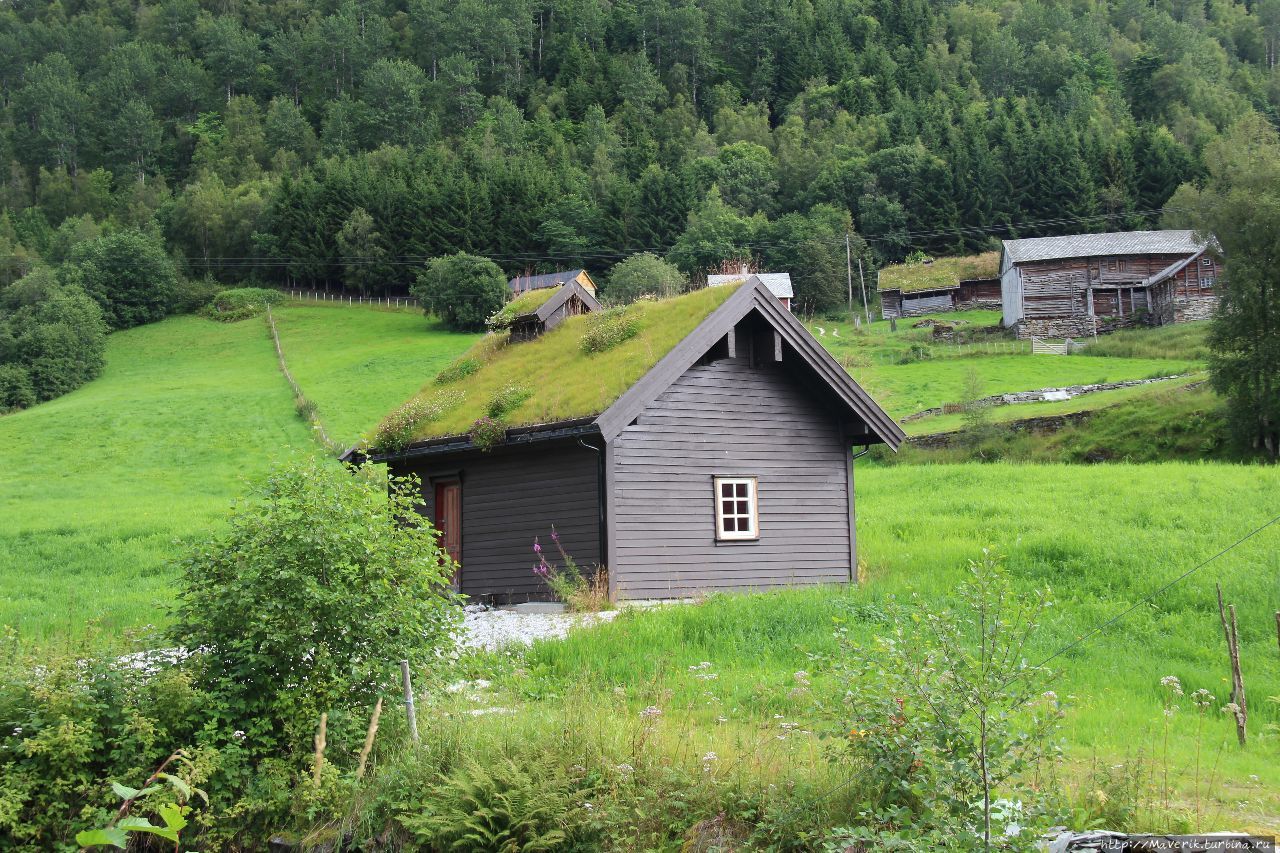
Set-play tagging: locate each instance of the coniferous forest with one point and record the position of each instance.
(341, 144)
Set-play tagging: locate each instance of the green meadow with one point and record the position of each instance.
(357, 364)
(98, 488)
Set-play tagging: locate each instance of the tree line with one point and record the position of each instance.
(337, 144)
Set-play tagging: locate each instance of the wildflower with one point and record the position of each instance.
(1231, 708)
(1171, 682)
(1169, 712)
(857, 734)
(537, 548)
(620, 692)
(651, 711)
(238, 736)
(17, 730)
(1050, 695)
(801, 675)
(710, 756)
(588, 806)
(789, 726)
(555, 537)
(625, 768)
(722, 719)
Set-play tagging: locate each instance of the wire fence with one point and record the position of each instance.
(339, 298)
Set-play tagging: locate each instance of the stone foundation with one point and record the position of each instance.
(1054, 327)
(980, 305)
(1189, 308)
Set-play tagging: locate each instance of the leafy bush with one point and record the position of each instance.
(643, 274)
(75, 721)
(128, 274)
(16, 390)
(397, 430)
(507, 398)
(464, 290)
(52, 340)
(458, 369)
(944, 711)
(192, 294)
(608, 329)
(319, 586)
(241, 303)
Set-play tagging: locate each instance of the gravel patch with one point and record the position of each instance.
(486, 628)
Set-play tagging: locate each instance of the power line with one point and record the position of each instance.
(250, 261)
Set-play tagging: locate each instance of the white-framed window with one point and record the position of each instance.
(737, 508)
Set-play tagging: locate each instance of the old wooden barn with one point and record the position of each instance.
(525, 283)
(692, 444)
(1085, 284)
(940, 284)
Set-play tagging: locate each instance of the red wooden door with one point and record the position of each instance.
(449, 520)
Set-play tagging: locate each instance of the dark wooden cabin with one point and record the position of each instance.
(1085, 284)
(569, 300)
(525, 283)
(939, 285)
(723, 461)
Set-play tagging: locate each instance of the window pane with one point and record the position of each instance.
(743, 509)
(730, 524)
(726, 507)
(742, 490)
(726, 490)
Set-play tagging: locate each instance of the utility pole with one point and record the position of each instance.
(848, 264)
(862, 282)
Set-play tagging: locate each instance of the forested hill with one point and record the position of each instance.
(338, 144)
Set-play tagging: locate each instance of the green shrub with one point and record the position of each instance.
(608, 329)
(192, 294)
(464, 290)
(458, 369)
(128, 273)
(16, 391)
(320, 584)
(507, 398)
(241, 303)
(51, 333)
(397, 430)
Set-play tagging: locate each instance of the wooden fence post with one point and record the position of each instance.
(368, 739)
(320, 744)
(1237, 678)
(410, 712)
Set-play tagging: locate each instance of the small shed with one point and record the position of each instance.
(694, 444)
(525, 283)
(939, 285)
(779, 284)
(537, 312)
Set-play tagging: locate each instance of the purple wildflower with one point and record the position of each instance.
(537, 549)
(555, 537)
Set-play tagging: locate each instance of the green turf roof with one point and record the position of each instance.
(942, 272)
(564, 381)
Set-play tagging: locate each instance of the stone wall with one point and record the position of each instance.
(979, 304)
(1188, 308)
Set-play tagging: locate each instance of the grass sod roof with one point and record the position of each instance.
(564, 381)
(940, 273)
(526, 303)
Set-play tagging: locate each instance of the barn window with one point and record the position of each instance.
(1206, 262)
(1207, 281)
(736, 511)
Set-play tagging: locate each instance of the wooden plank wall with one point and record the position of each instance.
(729, 418)
(933, 303)
(510, 495)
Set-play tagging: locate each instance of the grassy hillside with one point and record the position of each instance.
(97, 486)
(357, 364)
(918, 528)
(99, 483)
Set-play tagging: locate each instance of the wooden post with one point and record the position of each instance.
(409, 710)
(1278, 627)
(862, 284)
(320, 744)
(1237, 679)
(368, 739)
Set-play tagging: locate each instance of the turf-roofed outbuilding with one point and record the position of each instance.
(691, 445)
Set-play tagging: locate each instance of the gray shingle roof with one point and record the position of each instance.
(779, 283)
(1095, 245)
(523, 283)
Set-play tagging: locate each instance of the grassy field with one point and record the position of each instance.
(98, 484)
(357, 364)
(918, 528)
(97, 487)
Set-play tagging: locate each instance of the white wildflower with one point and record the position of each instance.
(625, 768)
(710, 756)
(651, 711)
(238, 736)
(1172, 683)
